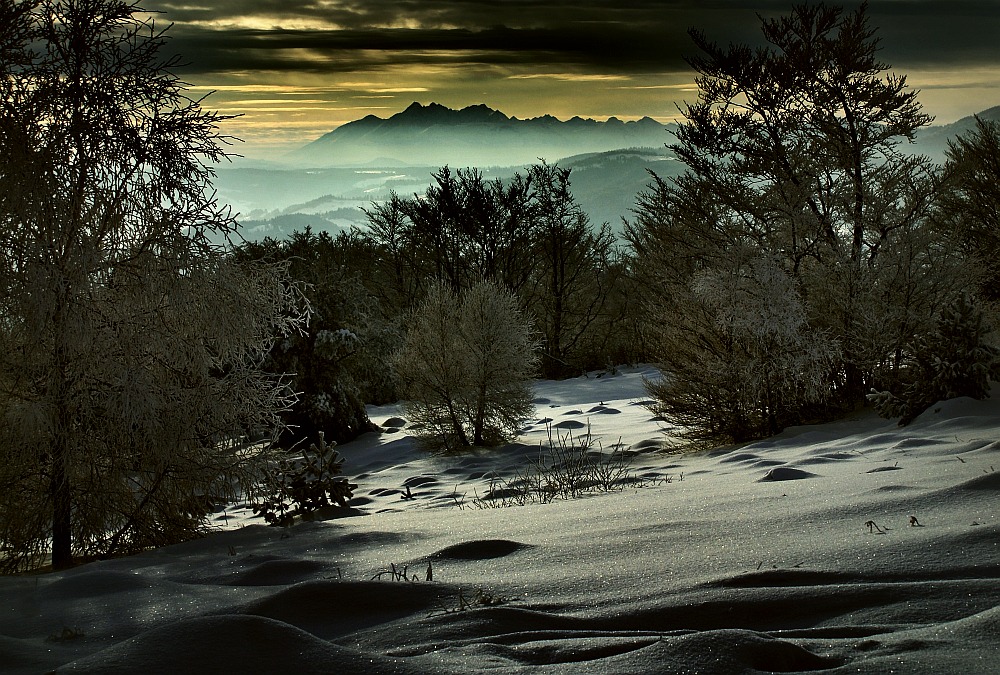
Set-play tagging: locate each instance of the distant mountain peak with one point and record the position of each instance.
(476, 135)
(933, 140)
(435, 113)
(480, 113)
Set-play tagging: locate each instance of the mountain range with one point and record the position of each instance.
(434, 135)
(933, 140)
(358, 163)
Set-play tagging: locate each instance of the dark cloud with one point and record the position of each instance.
(464, 13)
(610, 36)
(588, 47)
(526, 57)
(633, 35)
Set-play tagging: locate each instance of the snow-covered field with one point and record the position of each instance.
(792, 554)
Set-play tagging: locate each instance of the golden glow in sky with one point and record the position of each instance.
(294, 70)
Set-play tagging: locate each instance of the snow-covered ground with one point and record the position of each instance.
(792, 554)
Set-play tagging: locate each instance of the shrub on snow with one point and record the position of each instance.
(955, 360)
(466, 366)
(741, 361)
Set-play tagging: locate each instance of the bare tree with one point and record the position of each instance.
(463, 228)
(131, 345)
(969, 206)
(795, 146)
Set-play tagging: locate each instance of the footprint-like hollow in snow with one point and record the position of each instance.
(785, 473)
(481, 549)
(649, 444)
(420, 481)
(604, 410)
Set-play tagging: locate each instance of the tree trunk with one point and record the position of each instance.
(854, 385)
(456, 424)
(59, 485)
(59, 393)
(558, 290)
(480, 421)
(62, 551)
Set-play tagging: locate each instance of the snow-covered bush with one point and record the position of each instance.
(741, 361)
(466, 366)
(956, 359)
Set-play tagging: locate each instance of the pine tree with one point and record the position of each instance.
(345, 345)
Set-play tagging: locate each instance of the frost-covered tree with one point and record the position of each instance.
(742, 363)
(792, 154)
(432, 369)
(130, 364)
(500, 359)
(958, 358)
(466, 366)
(796, 147)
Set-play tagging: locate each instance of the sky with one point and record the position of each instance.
(296, 69)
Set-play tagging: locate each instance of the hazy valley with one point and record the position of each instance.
(319, 186)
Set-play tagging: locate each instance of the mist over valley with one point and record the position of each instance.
(326, 184)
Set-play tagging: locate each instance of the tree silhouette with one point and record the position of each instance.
(792, 154)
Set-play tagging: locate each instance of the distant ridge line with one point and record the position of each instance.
(476, 135)
(435, 113)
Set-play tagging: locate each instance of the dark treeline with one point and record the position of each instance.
(526, 234)
(595, 301)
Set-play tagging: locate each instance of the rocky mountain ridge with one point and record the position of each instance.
(474, 136)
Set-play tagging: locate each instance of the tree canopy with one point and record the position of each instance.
(792, 154)
(130, 369)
